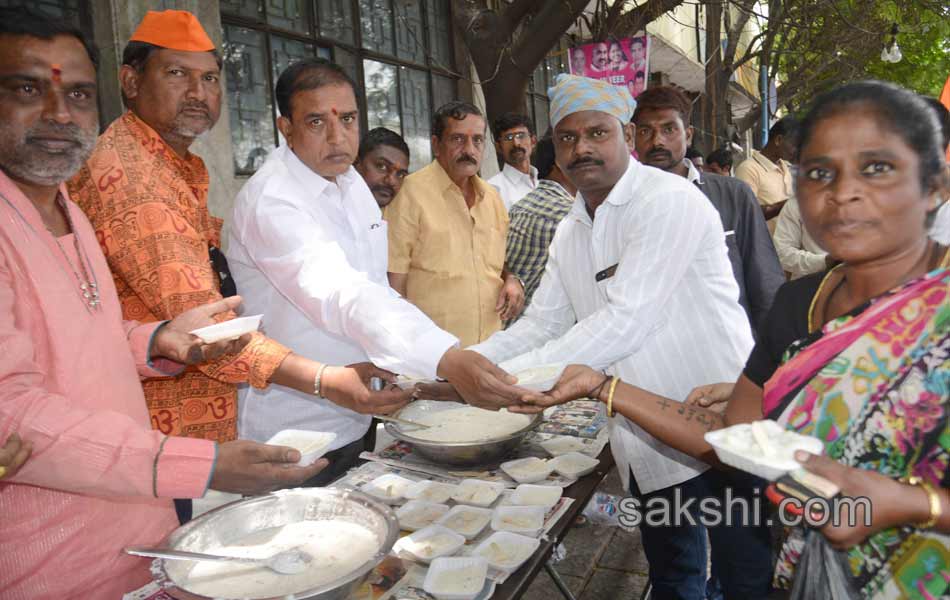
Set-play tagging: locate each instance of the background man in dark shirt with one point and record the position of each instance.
(383, 161)
(662, 136)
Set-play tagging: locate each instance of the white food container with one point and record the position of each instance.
(430, 491)
(389, 488)
(528, 494)
(466, 520)
(738, 447)
(527, 470)
(430, 543)
(459, 578)
(416, 514)
(526, 520)
(311, 444)
(574, 464)
(541, 378)
(228, 330)
(506, 551)
(476, 492)
(563, 444)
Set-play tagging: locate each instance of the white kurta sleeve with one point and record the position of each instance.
(549, 316)
(647, 275)
(789, 240)
(307, 266)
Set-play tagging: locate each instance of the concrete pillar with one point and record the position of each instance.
(113, 24)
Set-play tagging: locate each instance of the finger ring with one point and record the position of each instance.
(3, 471)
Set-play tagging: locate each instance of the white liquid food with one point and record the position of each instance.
(467, 580)
(469, 424)
(476, 493)
(337, 548)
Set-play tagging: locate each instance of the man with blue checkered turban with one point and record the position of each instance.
(638, 283)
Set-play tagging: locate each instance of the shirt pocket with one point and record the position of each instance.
(492, 250)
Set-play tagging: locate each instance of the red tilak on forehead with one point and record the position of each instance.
(57, 72)
(334, 111)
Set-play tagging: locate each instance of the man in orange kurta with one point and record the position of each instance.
(146, 196)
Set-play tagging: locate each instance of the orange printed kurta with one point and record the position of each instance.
(149, 208)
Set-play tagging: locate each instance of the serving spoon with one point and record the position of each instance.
(288, 562)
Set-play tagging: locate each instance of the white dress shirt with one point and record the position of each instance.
(513, 185)
(667, 321)
(311, 256)
(799, 254)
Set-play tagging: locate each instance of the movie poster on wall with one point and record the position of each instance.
(621, 62)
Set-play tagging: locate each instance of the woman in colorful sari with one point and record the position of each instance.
(859, 356)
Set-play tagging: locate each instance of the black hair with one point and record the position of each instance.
(136, 54)
(900, 111)
(456, 109)
(661, 98)
(380, 136)
(721, 157)
(640, 75)
(692, 153)
(308, 74)
(943, 117)
(510, 120)
(23, 21)
(786, 127)
(544, 156)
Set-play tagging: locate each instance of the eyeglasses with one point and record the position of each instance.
(510, 137)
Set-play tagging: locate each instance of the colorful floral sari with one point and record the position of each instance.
(875, 387)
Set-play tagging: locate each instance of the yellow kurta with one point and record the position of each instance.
(454, 256)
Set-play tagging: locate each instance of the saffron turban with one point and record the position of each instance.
(173, 29)
(571, 94)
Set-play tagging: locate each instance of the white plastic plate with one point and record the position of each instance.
(228, 330)
(458, 578)
(311, 444)
(737, 447)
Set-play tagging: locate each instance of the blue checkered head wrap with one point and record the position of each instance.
(571, 94)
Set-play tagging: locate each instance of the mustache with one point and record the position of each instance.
(383, 188)
(69, 132)
(659, 153)
(466, 158)
(585, 160)
(195, 105)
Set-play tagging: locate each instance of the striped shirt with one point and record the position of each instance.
(667, 320)
(532, 222)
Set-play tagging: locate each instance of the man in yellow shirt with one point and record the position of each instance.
(447, 234)
(769, 172)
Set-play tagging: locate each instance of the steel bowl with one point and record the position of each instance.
(233, 521)
(458, 454)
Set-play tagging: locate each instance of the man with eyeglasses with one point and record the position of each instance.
(447, 232)
(383, 161)
(514, 141)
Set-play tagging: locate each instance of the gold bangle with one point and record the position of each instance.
(933, 498)
(610, 396)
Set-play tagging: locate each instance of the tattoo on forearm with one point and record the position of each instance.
(691, 413)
